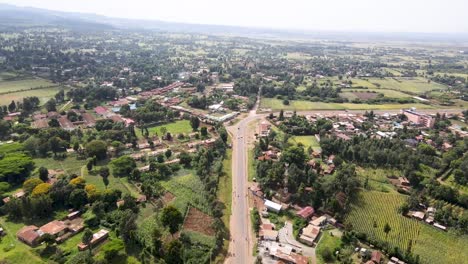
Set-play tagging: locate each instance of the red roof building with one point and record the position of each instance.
(29, 235)
(306, 212)
(376, 257)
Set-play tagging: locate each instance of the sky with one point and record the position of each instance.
(428, 16)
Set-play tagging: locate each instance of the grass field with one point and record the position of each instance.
(433, 246)
(350, 95)
(413, 85)
(12, 250)
(26, 84)
(43, 94)
(178, 127)
(378, 178)
(307, 141)
(300, 105)
(121, 184)
(70, 165)
(327, 241)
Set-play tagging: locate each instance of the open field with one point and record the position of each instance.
(327, 241)
(43, 94)
(199, 222)
(22, 85)
(306, 141)
(351, 93)
(378, 178)
(434, 246)
(177, 127)
(300, 105)
(11, 249)
(70, 165)
(121, 184)
(412, 85)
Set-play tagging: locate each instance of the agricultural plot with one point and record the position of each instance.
(381, 208)
(301, 105)
(306, 141)
(70, 165)
(188, 190)
(378, 179)
(352, 93)
(43, 94)
(199, 222)
(411, 85)
(373, 209)
(23, 85)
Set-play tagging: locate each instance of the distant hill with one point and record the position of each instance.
(20, 17)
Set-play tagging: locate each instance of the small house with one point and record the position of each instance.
(305, 212)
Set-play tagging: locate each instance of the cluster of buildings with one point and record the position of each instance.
(427, 215)
(82, 119)
(59, 230)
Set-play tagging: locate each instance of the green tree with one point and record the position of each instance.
(387, 230)
(204, 131)
(194, 123)
(171, 218)
(51, 105)
(123, 166)
(174, 252)
(168, 153)
(43, 174)
(96, 148)
(87, 237)
(30, 184)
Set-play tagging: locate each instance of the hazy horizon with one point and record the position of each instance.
(334, 15)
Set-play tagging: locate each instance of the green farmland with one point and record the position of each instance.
(414, 85)
(178, 127)
(22, 85)
(300, 105)
(306, 141)
(433, 245)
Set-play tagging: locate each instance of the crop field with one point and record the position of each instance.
(307, 141)
(178, 127)
(350, 94)
(412, 85)
(378, 178)
(362, 95)
(188, 190)
(43, 94)
(5, 76)
(301, 105)
(197, 221)
(434, 246)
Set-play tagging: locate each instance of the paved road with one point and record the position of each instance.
(241, 237)
(286, 236)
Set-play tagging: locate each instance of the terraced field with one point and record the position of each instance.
(433, 245)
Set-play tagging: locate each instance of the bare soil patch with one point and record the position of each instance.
(365, 95)
(199, 222)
